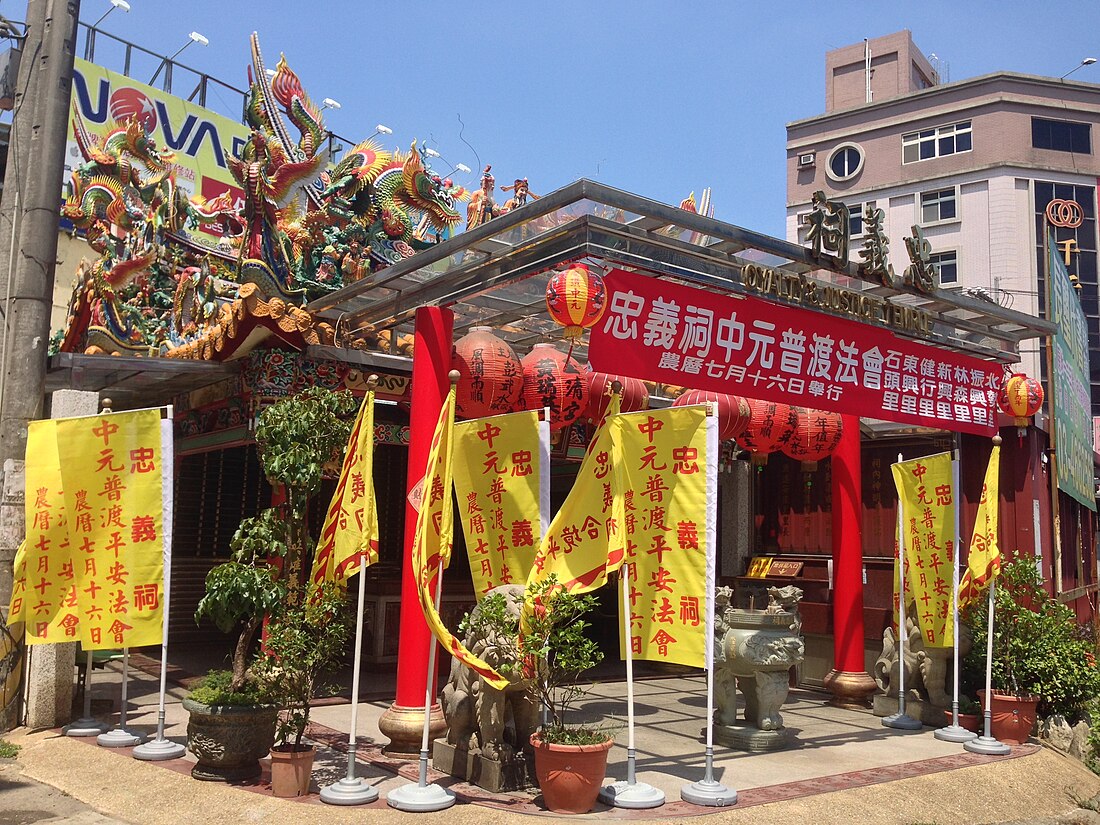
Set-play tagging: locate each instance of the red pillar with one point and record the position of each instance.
(403, 721)
(848, 681)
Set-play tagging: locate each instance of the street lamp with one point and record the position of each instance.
(115, 4)
(329, 103)
(380, 130)
(193, 37)
(1088, 61)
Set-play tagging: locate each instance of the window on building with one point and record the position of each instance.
(857, 212)
(936, 143)
(1061, 136)
(947, 264)
(937, 206)
(845, 161)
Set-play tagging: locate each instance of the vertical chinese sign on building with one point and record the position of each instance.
(927, 499)
(111, 473)
(666, 499)
(1071, 399)
(501, 476)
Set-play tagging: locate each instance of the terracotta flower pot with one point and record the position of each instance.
(570, 776)
(291, 770)
(1012, 717)
(967, 721)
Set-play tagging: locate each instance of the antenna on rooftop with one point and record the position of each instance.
(941, 67)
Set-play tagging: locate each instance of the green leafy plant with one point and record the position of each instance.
(1038, 647)
(304, 642)
(549, 655)
(296, 438)
(8, 750)
(969, 705)
(216, 688)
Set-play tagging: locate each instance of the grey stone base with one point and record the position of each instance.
(927, 713)
(748, 738)
(496, 777)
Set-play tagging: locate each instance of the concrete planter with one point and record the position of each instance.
(229, 740)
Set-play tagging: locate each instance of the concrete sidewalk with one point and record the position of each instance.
(845, 767)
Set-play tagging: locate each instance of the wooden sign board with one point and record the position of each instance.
(785, 568)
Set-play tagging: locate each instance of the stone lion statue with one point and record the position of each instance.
(482, 718)
(927, 669)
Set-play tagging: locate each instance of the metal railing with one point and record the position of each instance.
(163, 72)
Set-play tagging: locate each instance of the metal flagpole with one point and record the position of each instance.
(901, 720)
(986, 743)
(631, 793)
(352, 790)
(708, 790)
(121, 737)
(86, 725)
(161, 748)
(955, 732)
(420, 797)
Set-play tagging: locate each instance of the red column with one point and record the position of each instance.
(848, 681)
(403, 721)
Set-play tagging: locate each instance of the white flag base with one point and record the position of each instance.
(901, 721)
(955, 733)
(625, 794)
(84, 726)
(420, 798)
(987, 745)
(159, 750)
(708, 792)
(119, 738)
(354, 791)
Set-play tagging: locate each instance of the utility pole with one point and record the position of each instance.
(28, 254)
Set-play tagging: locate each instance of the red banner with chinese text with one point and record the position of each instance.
(497, 475)
(664, 456)
(660, 331)
(927, 499)
(111, 473)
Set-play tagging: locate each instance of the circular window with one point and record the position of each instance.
(845, 162)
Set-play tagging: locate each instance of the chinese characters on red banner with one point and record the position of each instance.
(674, 334)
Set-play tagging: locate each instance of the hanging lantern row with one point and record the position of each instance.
(634, 398)
(1021, 397)
(733, 410)
(575, 298)
(490, 375)
(770, 426)
(816, 436)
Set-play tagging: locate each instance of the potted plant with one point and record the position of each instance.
(970, 714)
(303, 642)
(1042, 661)
(550, 653)
(296, 438)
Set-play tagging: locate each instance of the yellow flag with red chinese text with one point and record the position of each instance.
(984, 561)
(434, 537)
(44, 589)
(111, 473)
(664, 457)
(350, 531)
(584, 542)
(927, 497)
(497, 473)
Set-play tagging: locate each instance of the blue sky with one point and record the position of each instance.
(655, 98)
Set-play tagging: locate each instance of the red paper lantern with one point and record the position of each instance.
(733, 410)
(552, 379)
(576, 299)
(1021, 397)
(816, 435)
(770, 427)
(635, 396)
(491, 378)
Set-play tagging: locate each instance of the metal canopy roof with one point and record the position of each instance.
(130, 380)
(496, 273)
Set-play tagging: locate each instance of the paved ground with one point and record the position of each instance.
(844, 768)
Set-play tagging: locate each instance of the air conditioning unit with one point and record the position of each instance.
(807, 160)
